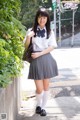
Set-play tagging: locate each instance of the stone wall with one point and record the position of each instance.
(10, 100)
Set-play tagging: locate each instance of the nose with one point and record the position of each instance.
(41, 18)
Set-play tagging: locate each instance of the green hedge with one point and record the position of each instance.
(12, 33)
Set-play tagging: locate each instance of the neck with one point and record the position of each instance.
(41, 27)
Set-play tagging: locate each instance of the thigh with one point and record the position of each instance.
(39, 86)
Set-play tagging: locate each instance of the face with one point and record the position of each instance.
(42, 20)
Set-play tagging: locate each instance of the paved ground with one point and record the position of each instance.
(69, 42)
(64, 99)
(60, 108)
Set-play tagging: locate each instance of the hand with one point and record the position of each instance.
(31, 34)
(36, 55)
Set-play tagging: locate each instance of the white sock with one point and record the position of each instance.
(44, 99)
(39, 99)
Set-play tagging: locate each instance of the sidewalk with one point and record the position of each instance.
(67, 42)
(61, 108)
(64, 98)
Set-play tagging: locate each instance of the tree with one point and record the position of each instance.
(28, 10)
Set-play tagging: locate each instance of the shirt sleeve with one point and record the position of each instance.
(52, 40)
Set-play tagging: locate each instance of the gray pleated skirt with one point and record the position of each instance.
(43, 67)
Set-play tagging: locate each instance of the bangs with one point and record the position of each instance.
(43, 14)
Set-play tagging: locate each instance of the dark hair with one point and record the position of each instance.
(42, 12)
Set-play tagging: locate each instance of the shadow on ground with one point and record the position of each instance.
(65, 91)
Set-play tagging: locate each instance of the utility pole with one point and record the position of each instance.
(55, 22)
(54, 5)
(74, 11)
(59, 7)
(72, 28)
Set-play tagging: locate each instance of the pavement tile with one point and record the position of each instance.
(61, 108)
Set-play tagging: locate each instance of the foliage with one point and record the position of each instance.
(77, 15)
(47, 3)
(11, 35)
(28, 10)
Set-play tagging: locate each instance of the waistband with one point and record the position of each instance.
(36, 51)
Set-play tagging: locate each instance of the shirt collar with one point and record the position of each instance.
(41, 28)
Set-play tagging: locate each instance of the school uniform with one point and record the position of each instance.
(44, 66)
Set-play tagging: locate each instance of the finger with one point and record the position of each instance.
(33, 54)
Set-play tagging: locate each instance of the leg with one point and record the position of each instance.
(41, 98)
(39, 94)
(39, 86)
(45, 96)
(39, 91)
(46, 84)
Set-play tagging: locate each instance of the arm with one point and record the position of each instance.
(27, 42)
(49, 49)
(38, 54)
(28, 38)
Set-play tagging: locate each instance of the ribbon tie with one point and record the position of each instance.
(41, 33)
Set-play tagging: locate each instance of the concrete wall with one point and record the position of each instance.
(10, 100)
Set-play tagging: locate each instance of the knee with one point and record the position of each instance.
(39, 91)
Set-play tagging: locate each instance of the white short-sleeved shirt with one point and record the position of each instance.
(41, 43)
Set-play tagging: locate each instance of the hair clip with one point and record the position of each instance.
(43, 9)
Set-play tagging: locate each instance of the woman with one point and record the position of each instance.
(43, 66)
